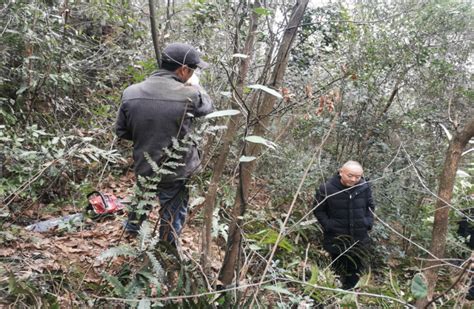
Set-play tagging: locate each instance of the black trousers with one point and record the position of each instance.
(349, 259)
(348, 267)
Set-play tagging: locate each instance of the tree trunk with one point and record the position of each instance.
(445, 191)
(154, 34)
(246, 169)
(229, 136)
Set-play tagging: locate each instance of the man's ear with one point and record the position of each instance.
(180, 72)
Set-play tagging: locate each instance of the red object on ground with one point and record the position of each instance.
(103, 203)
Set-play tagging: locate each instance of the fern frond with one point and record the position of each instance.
(155, 168)
(173, 164)
(119, 289)
(156, 266)
(151, 279)
(166, 172)
(154, 241)
(171, 154)
(145, 235)
(176, 144)
(122, 250)
(180, 284)
(133, 289)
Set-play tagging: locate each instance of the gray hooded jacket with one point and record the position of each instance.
(153, 112)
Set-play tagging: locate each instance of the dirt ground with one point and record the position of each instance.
(75, 250)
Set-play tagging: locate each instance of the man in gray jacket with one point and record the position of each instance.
(156, 115)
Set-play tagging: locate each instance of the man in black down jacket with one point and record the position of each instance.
(155, 114)
(343, 207)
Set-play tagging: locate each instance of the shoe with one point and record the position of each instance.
(350, 281)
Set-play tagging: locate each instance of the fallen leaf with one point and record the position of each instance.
(7, 251)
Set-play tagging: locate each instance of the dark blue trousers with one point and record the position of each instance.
(173, 199)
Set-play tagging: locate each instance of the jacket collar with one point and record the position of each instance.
(166, 74)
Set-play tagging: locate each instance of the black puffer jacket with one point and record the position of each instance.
(344, 211)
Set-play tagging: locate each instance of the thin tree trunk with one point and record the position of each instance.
(445, 192)
(63, 41)
(246, 169)
(154, 33)
(229, 136)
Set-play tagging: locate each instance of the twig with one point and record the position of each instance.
(198, 265)
(431, 192)
(413, 243)
(305, 262)
(327, 267)
(468, 265)
(181, 297)
(350, 292)
(245, 286)
(108, 160)
(290, 210)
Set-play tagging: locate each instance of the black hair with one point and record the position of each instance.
(173, 66)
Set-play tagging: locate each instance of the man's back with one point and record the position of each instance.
(154, 112)
(156, 115)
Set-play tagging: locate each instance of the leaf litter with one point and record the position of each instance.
(27, 254)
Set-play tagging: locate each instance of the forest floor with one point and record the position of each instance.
(75, 251)
(69, 256)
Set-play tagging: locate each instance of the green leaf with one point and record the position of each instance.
(21, 90)
(197, 201)
(262, 11)
(269, 237)
(144, 304)
(277, 288)
(462, 174)
(419, 287)
(254, 247)
(227, 112)
(260, 140)
(266, 89)
(247, 158)
(118, 287)
(446, 131)
(240, 56)
(314, 278)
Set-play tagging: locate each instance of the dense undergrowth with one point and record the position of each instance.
(63, 67)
